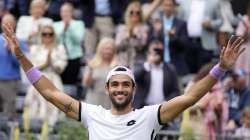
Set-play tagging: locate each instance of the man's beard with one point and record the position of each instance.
(123, 105)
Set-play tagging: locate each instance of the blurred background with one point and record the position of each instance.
(169, 45)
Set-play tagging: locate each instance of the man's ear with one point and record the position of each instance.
(107, 88)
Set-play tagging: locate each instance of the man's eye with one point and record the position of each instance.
(114, 84)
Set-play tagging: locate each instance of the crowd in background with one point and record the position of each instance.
(169, 45)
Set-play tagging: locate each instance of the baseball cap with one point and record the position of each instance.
(120, 70)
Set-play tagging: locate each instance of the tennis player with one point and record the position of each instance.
(123, 122)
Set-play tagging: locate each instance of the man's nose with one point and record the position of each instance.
(120, 88)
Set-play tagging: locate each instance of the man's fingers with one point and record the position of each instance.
(6, 37)
(223, 50)
(240, 52)
(237, 41)
(237, 47)
(230, 41)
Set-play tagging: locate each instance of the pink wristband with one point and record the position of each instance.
(217, 72)
(33, 75)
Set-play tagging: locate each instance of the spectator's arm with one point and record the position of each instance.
(153, 6)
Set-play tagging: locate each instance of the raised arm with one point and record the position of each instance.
(229, 54)
(47, 89)
(153, 6)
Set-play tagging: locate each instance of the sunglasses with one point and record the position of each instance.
(137, 13)
(47, 34)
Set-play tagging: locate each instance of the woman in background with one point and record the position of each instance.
(131, 38)
(95, 75)
(51, 59)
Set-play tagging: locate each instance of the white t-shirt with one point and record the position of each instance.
(102, 125)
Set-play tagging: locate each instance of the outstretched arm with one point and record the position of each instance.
(153, 6)
(229, 54)
(47, 89)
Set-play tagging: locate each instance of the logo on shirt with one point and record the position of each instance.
(132, 122)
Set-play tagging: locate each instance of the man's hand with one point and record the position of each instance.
(10, 37)
(231, 52)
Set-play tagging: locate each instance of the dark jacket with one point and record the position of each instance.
(143, 79)
(178, 45)
(117, 9)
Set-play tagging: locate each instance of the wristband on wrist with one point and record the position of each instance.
(33, 75)
(217, 72)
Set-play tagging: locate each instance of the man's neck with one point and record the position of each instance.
(124, 111)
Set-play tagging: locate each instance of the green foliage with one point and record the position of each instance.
(188, 134)
(68, 129)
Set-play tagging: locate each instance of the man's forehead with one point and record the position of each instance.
(120, 78)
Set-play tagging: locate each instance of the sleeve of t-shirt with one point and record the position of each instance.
(84, 111)
(153, 114)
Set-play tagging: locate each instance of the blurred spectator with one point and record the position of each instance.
(237, 96)
(17, 7)
(51, 59)
(100, 17)
(229, 22)
(28, 27)
(244, 30)
(9, 73)
(156, 80)
(95, 76)
(193, 125)
(131, 37)
(204, 15)
(243, 133)
(53, 10)
(70, 33)
(175, 38)
(215, 111)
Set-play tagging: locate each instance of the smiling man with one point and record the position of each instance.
(123, 122)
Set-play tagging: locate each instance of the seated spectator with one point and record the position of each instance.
(243, 29)
(51, 59)
(243, 133)
(28, 27)
(95, 75)
(9, 73)
(70, 33)
(131, 38)
(237, 96)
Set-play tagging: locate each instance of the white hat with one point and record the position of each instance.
(120, 70)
